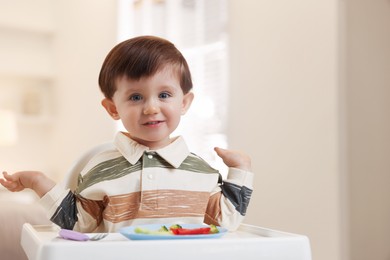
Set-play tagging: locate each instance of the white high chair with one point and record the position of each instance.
(70, 180)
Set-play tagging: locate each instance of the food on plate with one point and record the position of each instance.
(175, 226)
(177, 229)
(162, 231)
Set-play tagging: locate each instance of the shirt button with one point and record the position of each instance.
(150, 176)
(150, 156)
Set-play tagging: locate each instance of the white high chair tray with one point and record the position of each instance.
(248, 242)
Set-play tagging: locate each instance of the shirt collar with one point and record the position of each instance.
(174, 153)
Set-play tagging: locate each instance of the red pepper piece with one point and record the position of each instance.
(191, 231)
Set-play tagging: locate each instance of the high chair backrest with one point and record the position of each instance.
(70, 180)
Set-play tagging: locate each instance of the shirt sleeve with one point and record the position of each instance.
(54, 200)
(70, 211)
(229, 201)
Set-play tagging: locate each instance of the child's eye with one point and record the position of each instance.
(135, 97)
(164, 95)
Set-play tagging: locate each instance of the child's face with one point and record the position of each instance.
(150, 108)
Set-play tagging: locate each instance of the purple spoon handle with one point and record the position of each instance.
(73, 235)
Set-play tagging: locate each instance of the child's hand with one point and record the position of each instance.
(19, 181)
(12, 182)
(234, 159)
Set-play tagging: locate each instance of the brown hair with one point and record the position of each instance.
(139, 57)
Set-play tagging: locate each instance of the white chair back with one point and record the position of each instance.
(70, 180)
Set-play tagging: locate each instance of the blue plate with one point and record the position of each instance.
(130, 234)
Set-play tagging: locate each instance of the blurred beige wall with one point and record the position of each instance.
(25, 29)
(285, 113)
(367, 95)
(85, 32)
(310, 101)
(59, 44)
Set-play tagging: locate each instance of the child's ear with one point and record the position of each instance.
(110, 107)
(187, 100)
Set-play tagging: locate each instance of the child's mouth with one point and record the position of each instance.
(153, 123)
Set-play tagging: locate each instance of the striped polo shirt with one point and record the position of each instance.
(132, 185)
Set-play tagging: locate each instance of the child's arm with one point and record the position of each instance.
(234, 159)
(34, 180)
(229, 201)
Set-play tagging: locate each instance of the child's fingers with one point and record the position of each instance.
(3, 180)
(225, 155)
(11, 186)
(220, 151)
(234, 158)
(9, 183)
(7, 176)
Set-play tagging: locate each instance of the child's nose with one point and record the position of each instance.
(151, 108)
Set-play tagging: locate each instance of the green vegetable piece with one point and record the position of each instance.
(175, 226)
(213, 229)
(140, 230)
(145, 231)
(163, 229)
